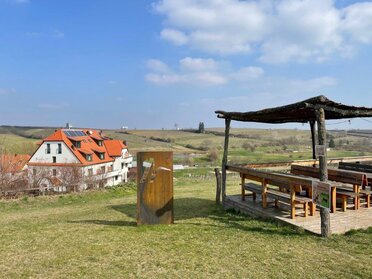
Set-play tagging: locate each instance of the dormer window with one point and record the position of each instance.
(88, 157)
(101, 156)
(77, 144)
(99, 142)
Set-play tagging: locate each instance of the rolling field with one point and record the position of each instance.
(246, 145)
(94, 235)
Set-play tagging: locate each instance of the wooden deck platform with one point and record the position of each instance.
(341, 222)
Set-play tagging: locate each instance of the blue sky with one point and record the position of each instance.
(151, 64)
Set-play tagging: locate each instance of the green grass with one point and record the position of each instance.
(94, 235)
(17, 144)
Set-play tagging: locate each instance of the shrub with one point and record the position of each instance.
(212, 155)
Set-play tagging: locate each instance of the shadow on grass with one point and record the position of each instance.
(184, 208)
(210, 214)
(106, 223)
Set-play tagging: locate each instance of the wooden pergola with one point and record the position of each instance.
(313, 110)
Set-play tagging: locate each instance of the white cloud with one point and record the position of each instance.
(248, 73)
(206, 78)
(6, 91)
(312, 85)
(157, 65)
(270, 93)
(358, 21)
(279, 31)
(175, 36)
(198, 64)
(165, 79)
(199, 72)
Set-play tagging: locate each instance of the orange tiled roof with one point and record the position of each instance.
(114, 147)
(13, 163)
(88, 145)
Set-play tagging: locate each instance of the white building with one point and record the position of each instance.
(79, 158)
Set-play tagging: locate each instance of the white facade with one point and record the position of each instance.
(54, 162)
(65, 157)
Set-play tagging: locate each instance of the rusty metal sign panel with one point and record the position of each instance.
(155, 187)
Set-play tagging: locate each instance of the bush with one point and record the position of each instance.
(212, 156)
(332, 143)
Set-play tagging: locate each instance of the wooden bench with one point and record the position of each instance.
(355, 179)
(252, 187)
(288, 198)
(290, 184)
(279, 196)
(345, 195)
(355, 167)
(358, 167)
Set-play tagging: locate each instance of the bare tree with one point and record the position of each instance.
(71, 177)
(12, 177)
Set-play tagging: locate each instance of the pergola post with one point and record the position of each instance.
(224, 159)
(323, 171)
(313, 134)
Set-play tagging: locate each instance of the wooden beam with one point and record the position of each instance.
(325, 222)
(218, 185)
(313, 134)
(323, 172)
(224, 158)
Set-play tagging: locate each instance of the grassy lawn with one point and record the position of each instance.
(94, 235)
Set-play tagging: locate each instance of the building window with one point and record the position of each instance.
(102, 156)
(122, 165)
(99, 143)
(103, 169)
(34, 171)
(48, 148)
(54, 159)
(54, 172)
(89, 157)
(116, 177)
(59, 150)
(77, 144)
(90, 172)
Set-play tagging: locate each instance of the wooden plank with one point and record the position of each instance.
(278, 177)
(337, 175)
(155, 188)
(355, 167)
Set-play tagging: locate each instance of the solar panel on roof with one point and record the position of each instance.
(67, 133)
(77, 133)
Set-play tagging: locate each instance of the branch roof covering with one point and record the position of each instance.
(301, 112)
